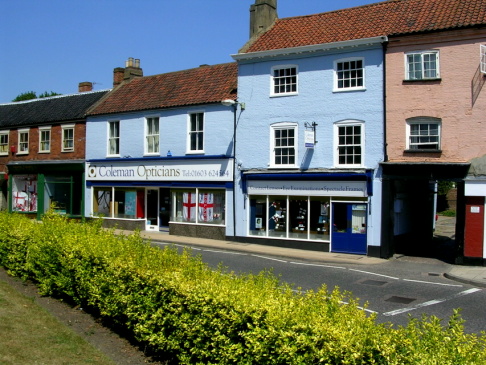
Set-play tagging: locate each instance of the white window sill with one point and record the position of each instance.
(349, 89)
(283, 94)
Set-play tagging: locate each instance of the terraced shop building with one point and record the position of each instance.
(42, 153)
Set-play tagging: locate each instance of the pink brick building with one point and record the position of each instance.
(435, 130)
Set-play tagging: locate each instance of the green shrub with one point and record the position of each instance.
(182, 310)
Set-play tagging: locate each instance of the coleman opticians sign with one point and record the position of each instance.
(214, 170)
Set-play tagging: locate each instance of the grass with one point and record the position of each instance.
(30, 335)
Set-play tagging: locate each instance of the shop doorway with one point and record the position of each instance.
(152, 205)
(165, 208)
(349, 228)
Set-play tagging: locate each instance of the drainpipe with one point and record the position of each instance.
(385, 145)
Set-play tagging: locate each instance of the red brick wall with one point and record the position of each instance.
(55, 153)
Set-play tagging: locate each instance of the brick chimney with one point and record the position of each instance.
(132, 69)
(85, 86)
(262, 16)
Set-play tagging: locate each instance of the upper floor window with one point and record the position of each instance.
(114, 138)
(68, 138)
(423, 134)
(283, 145)
(482, 49)
(422, 65)
(4, 142)
(44, 139)
(284, 80)
(152, 135)
(23, 141)
(349, 74)
(196, 132)
(349, 137)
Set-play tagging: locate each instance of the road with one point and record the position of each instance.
(393, 290)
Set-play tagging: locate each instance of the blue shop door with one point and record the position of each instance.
(349, 228)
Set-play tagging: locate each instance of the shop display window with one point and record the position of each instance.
(277, 212)
(24, 193)
(258, 215)
(58, 194)
(102, 202)
(289, 217)
(200, 206)
(118, 202)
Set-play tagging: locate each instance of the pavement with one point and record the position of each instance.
(473, 275)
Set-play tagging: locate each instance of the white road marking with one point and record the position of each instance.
(372, 273)
(318, 265)
(431, 302)
(269, 258)
(430, 282)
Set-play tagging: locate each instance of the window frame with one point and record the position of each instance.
(20, 143)
(337, 154)
(113, 138)
(482, 58)
(422, 62)
(152, 139)
(337, 79)
(42, 142)
(200, 138)
(273, 145)
(5, 136)
(423, 121)
(273, 78)
(65, 129)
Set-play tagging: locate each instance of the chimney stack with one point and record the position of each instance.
(85, 86)
(132, 69)
(262, 16)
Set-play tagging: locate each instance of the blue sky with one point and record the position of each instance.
(53, 45)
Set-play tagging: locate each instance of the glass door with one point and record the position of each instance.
(152, 199)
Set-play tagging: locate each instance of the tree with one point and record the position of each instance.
(32, 95)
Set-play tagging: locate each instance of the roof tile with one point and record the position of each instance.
(202, 85)
(388, 18)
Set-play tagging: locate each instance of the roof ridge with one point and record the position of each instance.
(54, 97)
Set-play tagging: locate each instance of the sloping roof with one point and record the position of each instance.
(54, 109)
(202, 85)
(388, 18)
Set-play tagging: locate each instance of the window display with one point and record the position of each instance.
(290, 217)
(200, 206)
(24, 193)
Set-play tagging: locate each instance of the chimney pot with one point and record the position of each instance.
(85, 86)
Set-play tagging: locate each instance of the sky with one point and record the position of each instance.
(53, 45)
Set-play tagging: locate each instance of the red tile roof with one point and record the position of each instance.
(202, 85)
(388, 18)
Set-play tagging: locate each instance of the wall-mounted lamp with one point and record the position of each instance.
(231, 102)
(169, 154)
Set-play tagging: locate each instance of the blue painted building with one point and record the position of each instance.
(159, 152)
(310, 138)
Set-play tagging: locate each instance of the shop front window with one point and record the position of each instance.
(101, 202)
(58, 194)
(24, 193)
(258, 215)
(299, 214)
(294, 217)
(200, 206)
(277, 213)
(118, 202)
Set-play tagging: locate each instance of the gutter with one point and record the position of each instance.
(310, 49)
